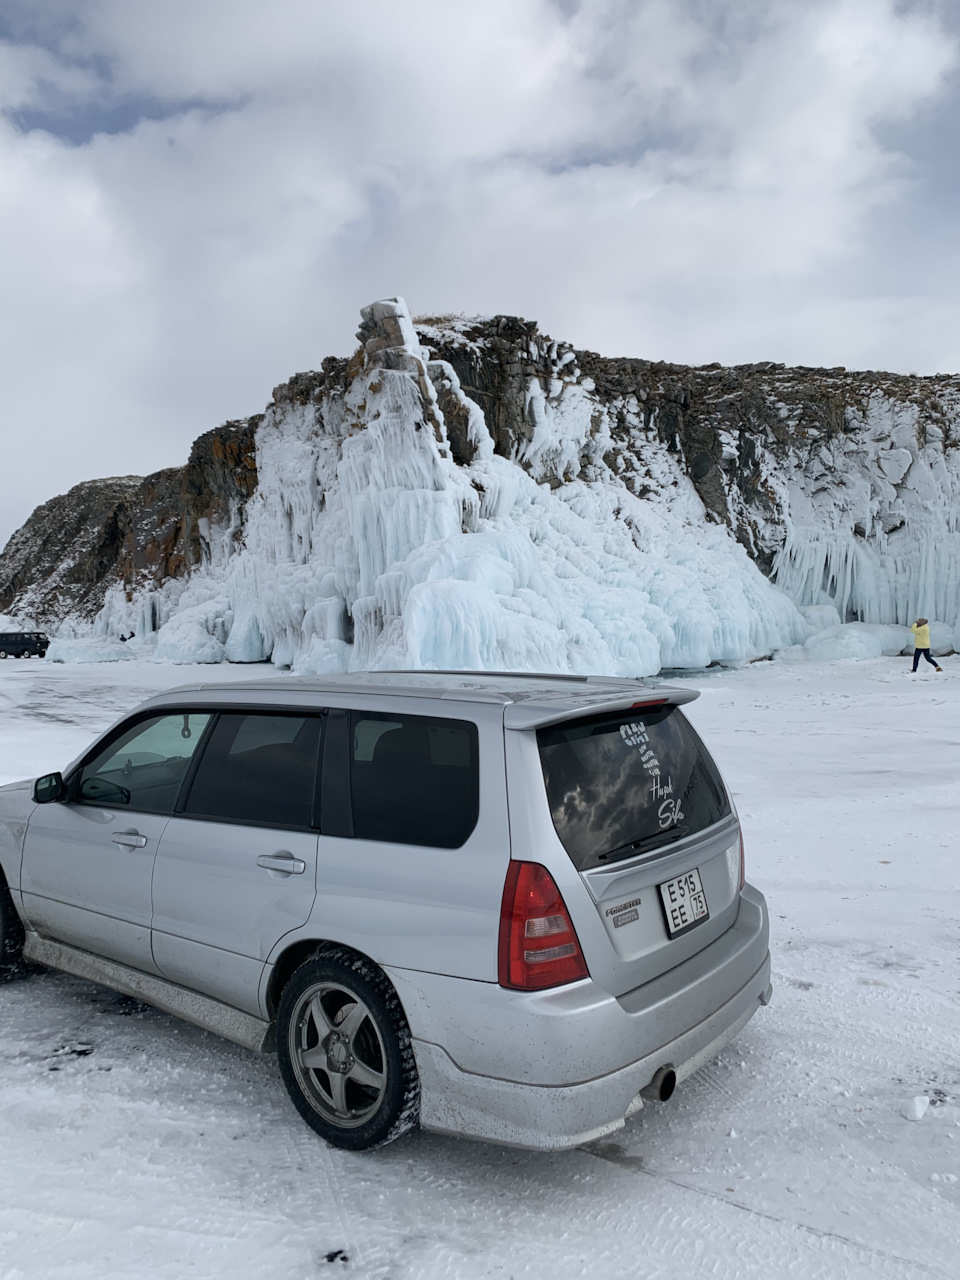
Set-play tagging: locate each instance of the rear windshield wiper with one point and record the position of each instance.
(638, 846)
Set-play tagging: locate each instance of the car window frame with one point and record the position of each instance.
(313, 828)
(336, 788)
(72, 780)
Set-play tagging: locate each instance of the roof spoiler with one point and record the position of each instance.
(540, 715)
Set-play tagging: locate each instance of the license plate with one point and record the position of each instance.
(684, 902)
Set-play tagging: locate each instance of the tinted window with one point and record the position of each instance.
(414, 779)
(258, 768)
(145, 766)
(624, 784)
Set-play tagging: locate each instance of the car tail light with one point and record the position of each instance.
(538, 944)
(743, 869)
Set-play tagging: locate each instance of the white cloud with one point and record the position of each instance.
(675, 180)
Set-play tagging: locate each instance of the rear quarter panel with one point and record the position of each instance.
(412, 907)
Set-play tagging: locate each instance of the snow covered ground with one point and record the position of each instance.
(134, 1145)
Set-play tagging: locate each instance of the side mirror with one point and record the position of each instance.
(48, 788)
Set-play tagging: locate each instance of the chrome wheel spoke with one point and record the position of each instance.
(362, 1074)
(338, 1094)
(315, 1059)
(352, 1022)
(318, 1014)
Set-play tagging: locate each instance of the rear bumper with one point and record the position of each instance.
(555, 1069)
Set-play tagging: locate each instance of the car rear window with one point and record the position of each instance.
(628, 783)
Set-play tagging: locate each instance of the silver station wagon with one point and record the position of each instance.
(507, 907)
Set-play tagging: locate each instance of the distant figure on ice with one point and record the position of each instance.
(921, 640)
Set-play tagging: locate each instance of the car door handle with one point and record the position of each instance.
(285, 863)
(129, 839)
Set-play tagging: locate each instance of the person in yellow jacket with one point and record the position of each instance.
(921, 641)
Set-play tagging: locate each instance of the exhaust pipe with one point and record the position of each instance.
(662, 1085)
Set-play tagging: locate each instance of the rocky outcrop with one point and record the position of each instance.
(742, 433)
(841, 486)
(130, 532)
(59, 562)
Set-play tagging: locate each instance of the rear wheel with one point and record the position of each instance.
(3, 653)
(11, 938)
(345, 1052)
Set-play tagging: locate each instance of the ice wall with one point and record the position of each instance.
(367, 545)
(872, 519)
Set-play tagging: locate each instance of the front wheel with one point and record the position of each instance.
(345, 1052)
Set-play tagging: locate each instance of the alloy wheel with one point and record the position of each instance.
(338, 1054)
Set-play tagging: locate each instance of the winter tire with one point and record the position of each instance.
(11, 938)
(345, 1052)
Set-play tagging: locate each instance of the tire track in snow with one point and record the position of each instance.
(904, 1267)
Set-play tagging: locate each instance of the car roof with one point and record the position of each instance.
(529, 699)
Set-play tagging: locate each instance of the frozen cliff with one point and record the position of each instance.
(470, 493)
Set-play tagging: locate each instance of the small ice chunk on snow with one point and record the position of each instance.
(916, 1108)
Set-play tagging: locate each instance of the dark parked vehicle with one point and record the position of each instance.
(23, 644)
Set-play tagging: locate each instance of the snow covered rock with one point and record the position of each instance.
(820, 617)
(849, 641)
(941, 639)
(129, 533)
(197, 630)
(892, 637)
(367, 544)
(472, 493)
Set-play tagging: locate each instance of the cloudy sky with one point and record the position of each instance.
(197, 196)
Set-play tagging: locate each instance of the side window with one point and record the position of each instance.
(414, 779)
(145, 766)
(258, 768)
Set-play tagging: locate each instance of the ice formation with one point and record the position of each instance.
(367, 545)
(872, 515)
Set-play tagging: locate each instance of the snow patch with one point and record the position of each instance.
(92, 649)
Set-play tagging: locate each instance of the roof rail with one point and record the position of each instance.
(516, 675)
